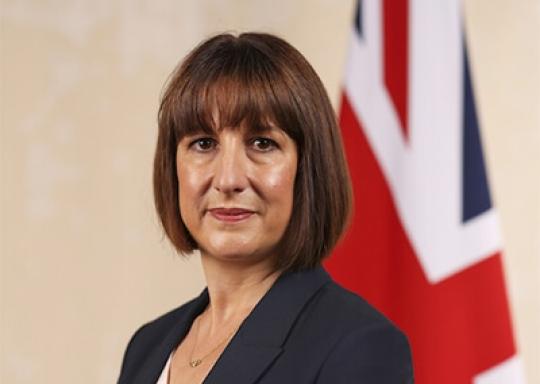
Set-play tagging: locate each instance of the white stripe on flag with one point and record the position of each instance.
(509, 371)
(423, 173)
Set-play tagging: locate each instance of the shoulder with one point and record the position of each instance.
(363, 343)
(350, 310)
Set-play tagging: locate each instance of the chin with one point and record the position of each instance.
(230, 253)
(234, 252)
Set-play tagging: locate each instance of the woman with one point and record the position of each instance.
(249, 170)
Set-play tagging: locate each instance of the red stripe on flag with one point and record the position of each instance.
(396, 62)
(457, 328)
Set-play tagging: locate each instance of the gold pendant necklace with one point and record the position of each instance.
(193, 363)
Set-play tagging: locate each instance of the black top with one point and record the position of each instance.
(306, 329)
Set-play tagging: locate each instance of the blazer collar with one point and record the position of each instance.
(179, 327)
(259, 339)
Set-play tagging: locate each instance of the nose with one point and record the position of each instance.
(230, 167)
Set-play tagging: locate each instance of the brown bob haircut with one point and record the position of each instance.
(254, 79)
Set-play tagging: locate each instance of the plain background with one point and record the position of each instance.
(83, 261)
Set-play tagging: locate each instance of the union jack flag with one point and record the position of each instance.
(424, 246)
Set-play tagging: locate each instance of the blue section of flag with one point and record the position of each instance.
(358, 18)
(476, 196)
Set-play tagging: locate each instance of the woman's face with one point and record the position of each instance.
(236, 191)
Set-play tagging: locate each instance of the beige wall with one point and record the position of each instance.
(83, 262)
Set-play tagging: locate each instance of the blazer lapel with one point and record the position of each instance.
(260, 339)
(157, 358)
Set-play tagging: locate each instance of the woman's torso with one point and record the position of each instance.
(305, 330)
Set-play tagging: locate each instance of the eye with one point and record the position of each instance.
(264, 144)
(203, 144)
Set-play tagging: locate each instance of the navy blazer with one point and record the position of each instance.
(306, 329)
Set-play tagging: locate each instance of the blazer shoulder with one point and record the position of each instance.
(368, 345)
(373, 355)
(349, 308)
(364, 345)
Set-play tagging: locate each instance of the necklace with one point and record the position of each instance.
(193, 363)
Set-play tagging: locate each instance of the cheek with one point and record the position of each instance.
(188, 190)
(280, 185)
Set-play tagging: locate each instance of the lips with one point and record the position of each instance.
(230, 215)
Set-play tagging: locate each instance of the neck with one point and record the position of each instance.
(235, 289)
